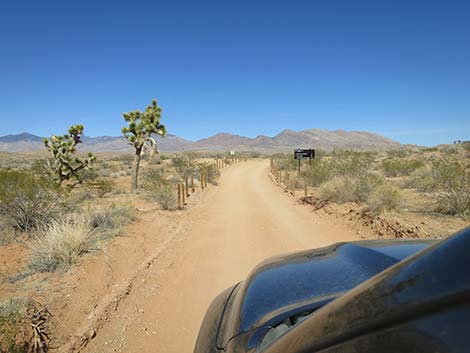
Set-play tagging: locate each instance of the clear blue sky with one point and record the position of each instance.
(399, 68)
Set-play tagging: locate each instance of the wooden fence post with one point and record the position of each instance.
(179, 195)
(293, 187)
(192, 183)
(305, 188)
(201, 176)
(183, 194)
(186, 184)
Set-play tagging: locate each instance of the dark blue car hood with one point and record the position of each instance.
(301, 282)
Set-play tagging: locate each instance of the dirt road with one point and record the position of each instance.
(244, 220)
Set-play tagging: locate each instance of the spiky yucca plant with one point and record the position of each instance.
(139, 134)
(65, 165)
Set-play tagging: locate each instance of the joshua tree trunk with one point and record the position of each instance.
(135, 171)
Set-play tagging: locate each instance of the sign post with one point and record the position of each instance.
(301, 153)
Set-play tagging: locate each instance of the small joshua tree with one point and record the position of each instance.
(141, 126)
(64, 164)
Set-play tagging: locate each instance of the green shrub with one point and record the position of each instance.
(338, 190)
(362, 186)
(183, 165)
(213, 174)
(100, 186)
(466, 146)
(422, 180)
(339, 163)
(454, 202)
(385, 198)
(165, 196)
(400, 167)
(160, 189)
(7, 233)
(341, 189)
(453, 185)
(26, 200)
(154, 179)
(398, 153)
(59, 245)
(111, 217)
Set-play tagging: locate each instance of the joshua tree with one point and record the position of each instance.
(141, 126)
(65, 165)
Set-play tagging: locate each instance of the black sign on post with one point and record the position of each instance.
(304, 153)
(301, 153)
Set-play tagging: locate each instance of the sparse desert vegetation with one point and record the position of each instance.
(406, 183)
(53, 221)
(56, 208)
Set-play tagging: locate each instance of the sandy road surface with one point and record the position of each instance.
(244, 220)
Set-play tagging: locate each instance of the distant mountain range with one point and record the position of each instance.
(284, 141)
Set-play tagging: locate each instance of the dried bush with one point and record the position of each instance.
(59, 245)
(26, 200)
(23, 326)
(400, 167)
(385, 198)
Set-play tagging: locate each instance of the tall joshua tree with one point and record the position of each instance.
(64, 164)
(139, 134)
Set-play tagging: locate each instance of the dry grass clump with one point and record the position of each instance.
(385, 198)
(110, 218)
(59, 245)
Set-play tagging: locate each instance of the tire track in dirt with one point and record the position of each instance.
(238, 224)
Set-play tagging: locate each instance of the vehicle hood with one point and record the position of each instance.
(288, 285)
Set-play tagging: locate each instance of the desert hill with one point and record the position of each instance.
(284, 141)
